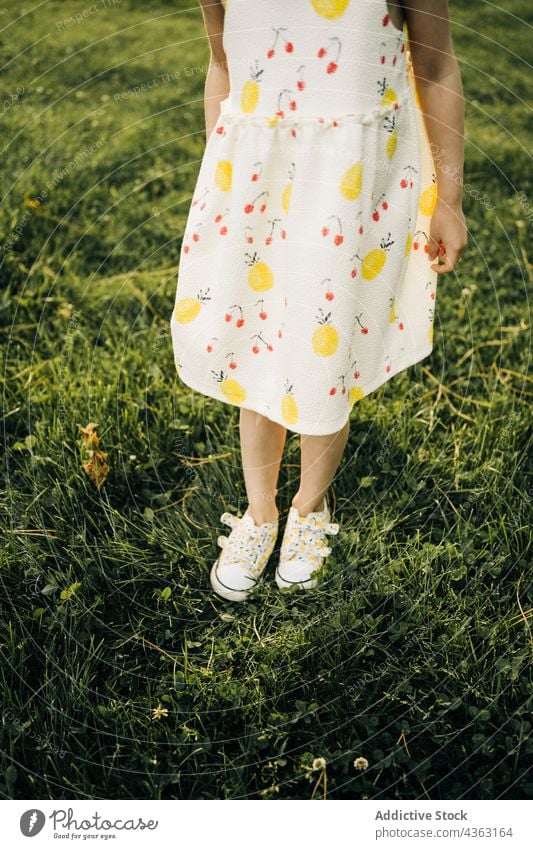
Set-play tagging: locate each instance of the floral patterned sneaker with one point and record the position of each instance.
(245, 553)
(304, 548)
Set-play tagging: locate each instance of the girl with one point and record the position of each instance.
(328, 200)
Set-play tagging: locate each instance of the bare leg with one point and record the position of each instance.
(320, 457)
(262, 443)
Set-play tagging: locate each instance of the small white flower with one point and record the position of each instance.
(319, 763)
(360, 763)
(158, 712)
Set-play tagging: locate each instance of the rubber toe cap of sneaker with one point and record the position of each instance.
(297, 574)
(231, 582)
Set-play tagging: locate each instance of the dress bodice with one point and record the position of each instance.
(313, 57)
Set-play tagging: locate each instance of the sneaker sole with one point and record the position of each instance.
(283, 584)
(228, 593)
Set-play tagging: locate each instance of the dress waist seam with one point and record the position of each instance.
(230, 115)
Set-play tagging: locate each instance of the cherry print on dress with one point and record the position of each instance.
(333, 50)
(287, 44)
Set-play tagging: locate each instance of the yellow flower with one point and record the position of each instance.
(319, 763)
(34, 202)
(158, 712)
(360, 763)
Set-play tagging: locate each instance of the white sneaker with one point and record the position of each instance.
(244, 556)
(304, 548)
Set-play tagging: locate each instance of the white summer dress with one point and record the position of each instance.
(304, 281)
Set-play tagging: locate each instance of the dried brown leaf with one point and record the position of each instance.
(96, 467)
(90, 439)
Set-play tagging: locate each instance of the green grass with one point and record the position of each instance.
(416, 652)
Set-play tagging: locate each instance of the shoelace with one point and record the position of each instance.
(312, 538)
(241, 538)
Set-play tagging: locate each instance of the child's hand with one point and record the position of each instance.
(447, 236)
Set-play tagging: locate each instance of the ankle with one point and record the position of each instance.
(262, 516)
(308, 505)
(263, 510)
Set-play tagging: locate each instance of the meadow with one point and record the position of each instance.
(408, 675)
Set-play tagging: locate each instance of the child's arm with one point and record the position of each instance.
(217, 79)
(439, 86)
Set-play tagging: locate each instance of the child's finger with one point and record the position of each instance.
(449, 261)
(433, 247)
(436, 248)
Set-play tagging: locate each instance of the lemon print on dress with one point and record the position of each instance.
(388, 96)
(223, 175)
(231, 389)
(373, 263)
(389, 122)
(392, 144)
(289, 408)
(356, 394)
(287, 191)
(186, 309)
(250, 90)
(375, 259)
(428, 199)
(351, 181)
(330, 9)
(260, 275)
(286, 197)
(325, 337)
(388, 99)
